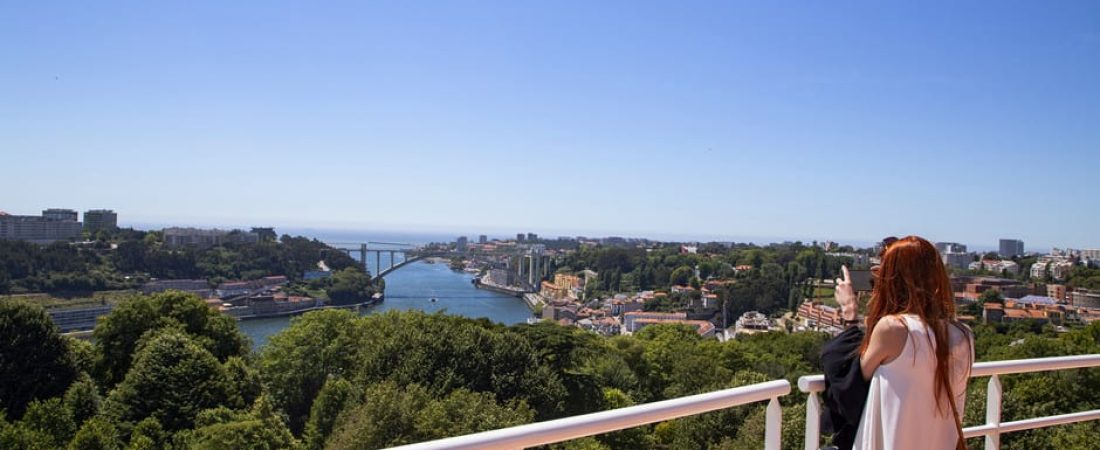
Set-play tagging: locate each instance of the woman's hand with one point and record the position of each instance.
(846, 296)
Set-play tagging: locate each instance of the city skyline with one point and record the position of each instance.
(964, 123)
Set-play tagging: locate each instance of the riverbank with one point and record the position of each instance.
(411, 288)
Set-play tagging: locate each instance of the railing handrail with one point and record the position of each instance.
(816, 383)
(993, 428)
(558, 430)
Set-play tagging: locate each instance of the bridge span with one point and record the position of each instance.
(409, 253)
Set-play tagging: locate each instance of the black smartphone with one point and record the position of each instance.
(861, 280)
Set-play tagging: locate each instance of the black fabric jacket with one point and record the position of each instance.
(845, 388)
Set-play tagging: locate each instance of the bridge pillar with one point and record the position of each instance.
(363, 256)
(391, 259)
(377, 261)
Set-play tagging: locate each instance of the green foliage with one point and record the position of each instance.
(148, 432)
(82, 399)
(350, 285)
(52, 420)
(243, 383)
(96, 434)
(297, 362)
(334, 397)
(117, 335)
(60, 267)
(260, 429)
(172, 379)
(391, 415)
(35, 360)
(444, 353)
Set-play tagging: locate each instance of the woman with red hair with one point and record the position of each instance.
(915, 354)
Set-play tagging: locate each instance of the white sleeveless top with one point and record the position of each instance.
(901, 412)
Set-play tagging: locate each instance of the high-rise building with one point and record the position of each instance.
(532, 237)
(266, 234)
(100, 219)
(520, 237)
(461, 243)
(60, 214)
(52, 225)
(482, 239)
(956, 260)
(1011, 247)
(950, 247)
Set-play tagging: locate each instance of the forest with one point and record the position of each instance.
(165, 371)
(127, 258)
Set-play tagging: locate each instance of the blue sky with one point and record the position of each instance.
(963, 121)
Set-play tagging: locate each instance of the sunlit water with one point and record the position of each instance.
(413, 287)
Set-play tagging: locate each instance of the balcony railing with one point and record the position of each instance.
(575, 427)
(559, 430)
(993, 428)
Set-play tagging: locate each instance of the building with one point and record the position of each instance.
(752, 322)
(62, 214)
(194, 286)
(956, 260)
(462, 243)
(78, 319)
(971, 288)
(815, 314)
(950, 247)
(100, 219)
(1060, 270)
(53, 225)
(483, 239)
(202, 238)
(520, 237)
(996, 266)
(502, 277)
(1057, 292)
(1011, 247)
(635, 321)
(265, 234)
(532, 237)
(1086, 298)
(1039, 270)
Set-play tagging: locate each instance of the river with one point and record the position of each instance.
(413, 287)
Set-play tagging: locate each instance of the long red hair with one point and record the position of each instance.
(911, 279)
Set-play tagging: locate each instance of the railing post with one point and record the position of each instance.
(813, 422)
(993, 413)
(774, 426)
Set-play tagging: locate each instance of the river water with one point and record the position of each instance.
(413, 287)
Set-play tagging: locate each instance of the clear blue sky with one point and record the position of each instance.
(964, 121)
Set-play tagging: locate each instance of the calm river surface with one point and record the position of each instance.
(412, 287)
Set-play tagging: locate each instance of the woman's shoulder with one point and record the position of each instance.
(892, 329)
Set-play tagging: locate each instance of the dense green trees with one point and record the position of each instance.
(392, 415)
(35, 360)
(335, 380)
(350, 285)
(64, 267)
(172, 380)
(118, 335)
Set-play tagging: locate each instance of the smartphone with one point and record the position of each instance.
(861, 280)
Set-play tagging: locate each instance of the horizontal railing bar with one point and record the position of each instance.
(1030, 424)
(816, 383)
(575, 427)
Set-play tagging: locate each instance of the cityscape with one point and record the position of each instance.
(549, 225)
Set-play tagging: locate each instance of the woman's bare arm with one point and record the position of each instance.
(887, 342)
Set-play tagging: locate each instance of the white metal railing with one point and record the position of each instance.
(993, 428)
(568, 428)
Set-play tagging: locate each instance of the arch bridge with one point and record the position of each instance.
(400, 255)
